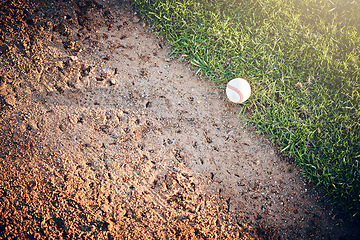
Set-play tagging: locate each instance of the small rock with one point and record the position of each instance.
(49, 24)
(110, 225)
(112, 81)
(10, 100)
(73, 119)
(74, 58)
(136, 19)
(105, 207)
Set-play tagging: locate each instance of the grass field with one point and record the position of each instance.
(302, 59)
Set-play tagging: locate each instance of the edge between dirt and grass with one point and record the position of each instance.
(302, 60)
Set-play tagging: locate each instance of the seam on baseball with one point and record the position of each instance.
(236, 90)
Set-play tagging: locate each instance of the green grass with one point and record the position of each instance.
(302, 60)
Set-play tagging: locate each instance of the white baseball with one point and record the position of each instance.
(238, 90)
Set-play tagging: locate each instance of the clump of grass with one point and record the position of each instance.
(302, 59)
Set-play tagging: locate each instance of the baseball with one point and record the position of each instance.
(238, 90)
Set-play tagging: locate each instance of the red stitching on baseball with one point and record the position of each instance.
(237, 91)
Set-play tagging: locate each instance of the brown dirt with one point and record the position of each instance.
(104, 136)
